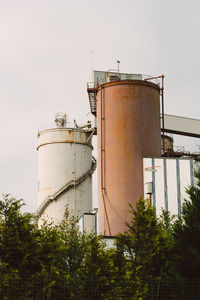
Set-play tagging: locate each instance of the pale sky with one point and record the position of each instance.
(45, 63)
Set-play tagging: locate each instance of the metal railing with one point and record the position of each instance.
(152, 79)
(112, 76)
(173, 289)
(62, 287)
(179, 149)
(92, 85)
(68, 125)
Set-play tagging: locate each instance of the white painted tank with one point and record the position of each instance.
(65, 167)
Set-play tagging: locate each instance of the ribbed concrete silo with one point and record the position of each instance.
(128, 129)
(65, 167)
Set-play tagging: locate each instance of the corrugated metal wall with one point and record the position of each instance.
(169, 177)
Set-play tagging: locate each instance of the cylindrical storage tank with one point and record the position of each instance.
(65, 168)
(128, 122)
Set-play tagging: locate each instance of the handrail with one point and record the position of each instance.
(92, 85)
(68, 125)
(65, 187)
(121, 77)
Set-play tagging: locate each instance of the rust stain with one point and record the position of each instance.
(63, 141)
(45, 189)
(127, 132)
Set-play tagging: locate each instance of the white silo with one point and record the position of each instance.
(65, 168)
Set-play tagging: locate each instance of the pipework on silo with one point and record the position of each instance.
(65, 168)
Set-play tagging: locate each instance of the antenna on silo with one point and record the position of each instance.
(118, 62)
(91, 58)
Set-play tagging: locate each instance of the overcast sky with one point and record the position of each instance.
(45, 63)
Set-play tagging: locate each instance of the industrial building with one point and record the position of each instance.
(132, 126)
(166, 180)
(136, 156)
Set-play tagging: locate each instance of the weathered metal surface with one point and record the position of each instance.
(128, 118)
(102, 77)
(64, 157)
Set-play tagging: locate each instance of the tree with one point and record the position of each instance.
(18, 236)
(18, 248)
(58, 261)
(187, 234)
(54, 261)
(146, 245)
(62, 251)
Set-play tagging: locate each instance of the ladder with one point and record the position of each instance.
(92, 94)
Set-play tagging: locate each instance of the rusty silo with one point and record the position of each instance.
(128, 129)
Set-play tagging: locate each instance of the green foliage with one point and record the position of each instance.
(18, 236)
(147, 247)
(49, 257)
(59, 262)
(58, 259)
(146, 241)
(187, 234)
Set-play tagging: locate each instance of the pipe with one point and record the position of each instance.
(74, 168)
(163, 122)
(103, 159)
(150, 200)
(162, 105)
